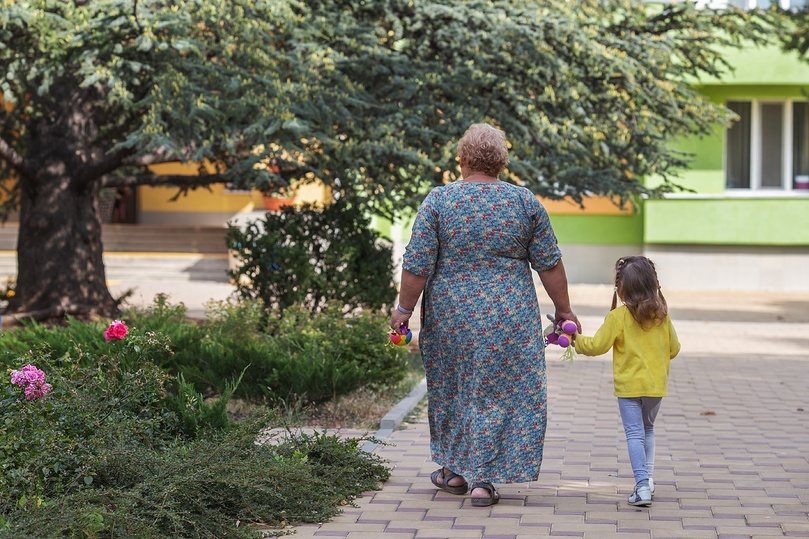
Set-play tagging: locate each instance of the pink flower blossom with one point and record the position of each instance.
(35, 391)
(116, 331)
(33, 382)
(27, 375)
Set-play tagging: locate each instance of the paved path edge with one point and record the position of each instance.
(391, 421)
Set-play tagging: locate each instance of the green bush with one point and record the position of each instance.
(332, 354)
(56, 441)
(310, 256)
(122, 449)
(216, 486)
(313, 357)
(307, 358)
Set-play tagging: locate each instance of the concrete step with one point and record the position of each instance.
(148, 266)
(175, 266)
(145, 238)
(146, 252)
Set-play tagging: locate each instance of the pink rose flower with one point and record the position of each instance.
(33, 382)
(35, 391)
(116, 331)
(27, 375)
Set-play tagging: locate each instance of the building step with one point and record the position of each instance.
(145, 252)
(144, 238)
(147, 267)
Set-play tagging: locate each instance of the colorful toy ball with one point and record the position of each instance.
(402, 337)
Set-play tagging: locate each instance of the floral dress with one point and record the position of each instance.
(481, 334)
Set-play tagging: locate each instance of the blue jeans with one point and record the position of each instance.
(638, 415)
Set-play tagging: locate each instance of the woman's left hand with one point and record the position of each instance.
(568, 315)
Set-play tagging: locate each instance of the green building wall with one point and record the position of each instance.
(727, 221)
(711, 215)
(598, 229)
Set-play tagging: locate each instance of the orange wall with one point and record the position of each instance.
(598, 205)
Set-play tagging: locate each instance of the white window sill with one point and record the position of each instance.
(743, 193)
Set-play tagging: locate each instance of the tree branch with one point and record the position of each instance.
(126, 157)
(110, 163)
(175, 180)
(17, 162)
(155, 158)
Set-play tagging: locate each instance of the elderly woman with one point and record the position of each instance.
(473, 245)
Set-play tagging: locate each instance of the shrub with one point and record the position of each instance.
(57, 441)
(332, 354)
(109, 452)
(310, 357)
(214, 486)
(309, 256)
(307, 357)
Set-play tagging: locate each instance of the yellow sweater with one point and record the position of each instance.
(640, 358)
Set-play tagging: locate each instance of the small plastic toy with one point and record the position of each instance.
(402, 337)
(562, 334)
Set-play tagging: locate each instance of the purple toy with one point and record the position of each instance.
(561, 334)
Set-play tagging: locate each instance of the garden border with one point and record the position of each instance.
(397, 414)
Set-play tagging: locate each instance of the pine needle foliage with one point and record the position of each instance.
(218, 486)
(302, 357)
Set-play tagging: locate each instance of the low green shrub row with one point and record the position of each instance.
(305, 357)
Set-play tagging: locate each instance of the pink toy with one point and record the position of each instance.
(402, 337)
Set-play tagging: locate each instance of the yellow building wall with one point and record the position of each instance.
(213, 204)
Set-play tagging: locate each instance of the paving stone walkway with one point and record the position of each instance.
(732, 442)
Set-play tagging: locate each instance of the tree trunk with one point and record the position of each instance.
(60, 266)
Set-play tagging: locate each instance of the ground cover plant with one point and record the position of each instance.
(120, 445)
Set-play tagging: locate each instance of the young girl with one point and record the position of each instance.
(643, 342)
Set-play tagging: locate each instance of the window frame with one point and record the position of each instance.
(787, 126)
(751, 4)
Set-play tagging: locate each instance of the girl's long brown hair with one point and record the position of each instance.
(636, 282)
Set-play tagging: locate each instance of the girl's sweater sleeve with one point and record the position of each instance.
(602, 341)
(674, 341)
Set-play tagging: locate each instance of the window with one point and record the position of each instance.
(768, 147)
(751, 4)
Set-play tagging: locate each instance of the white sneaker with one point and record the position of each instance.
(652, 486)
(641, 497)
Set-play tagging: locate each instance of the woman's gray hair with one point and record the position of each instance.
(484, 148)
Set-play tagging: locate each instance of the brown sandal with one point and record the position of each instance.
(489, 500)
(445, 479)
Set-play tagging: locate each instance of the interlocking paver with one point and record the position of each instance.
(732, 442)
